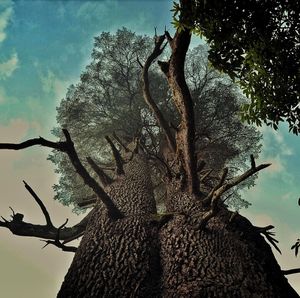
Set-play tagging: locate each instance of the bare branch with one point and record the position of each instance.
(68, 147)
(290, 271)
(57, 243)
(104, 178)
(158, 49)
(61, 146)
(40, 203)
(87, 203)
(117, 156)
(21, 228)
(214, 196)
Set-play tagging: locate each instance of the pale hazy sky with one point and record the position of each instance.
(44, 46)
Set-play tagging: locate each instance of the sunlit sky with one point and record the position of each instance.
(44, 46)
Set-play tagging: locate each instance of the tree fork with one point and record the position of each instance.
(185, 136)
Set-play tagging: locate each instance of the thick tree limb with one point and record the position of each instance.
(21, 228)
(40, 203)
(185, 137)
(117, 156)
(59, 244)
(158, 49)
(68, 147)
(290, 271)
(104, 178)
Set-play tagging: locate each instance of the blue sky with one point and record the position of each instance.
(44, 46)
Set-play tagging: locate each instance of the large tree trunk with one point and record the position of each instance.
(142, 256)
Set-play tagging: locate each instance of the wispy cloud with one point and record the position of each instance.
(6, 12)
(51, 84)
(8, 67)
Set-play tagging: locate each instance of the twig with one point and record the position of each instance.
(40, 203)
(266, 232)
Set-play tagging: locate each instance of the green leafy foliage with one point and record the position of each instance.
(108, 99)
(257, 43)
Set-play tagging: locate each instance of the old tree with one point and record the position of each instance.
(178, 150)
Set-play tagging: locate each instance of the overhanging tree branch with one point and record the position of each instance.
(68, 147)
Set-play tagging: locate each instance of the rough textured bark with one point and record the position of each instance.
(137, 257)
(228, 258)
(119, 258)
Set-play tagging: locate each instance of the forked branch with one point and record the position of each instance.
(185, 136)
(21, 228)
(158, 49)
(68, 147)
(214, 196)
(59, 244)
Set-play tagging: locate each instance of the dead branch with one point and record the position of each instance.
(59, 244)
(214, 196)
(104, 178)
(68, 147)
(40, 203)
(158, 49)
(21, 228)
(290, 271)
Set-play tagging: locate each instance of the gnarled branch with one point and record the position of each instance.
(158, 49)
(68, 147)
(59, 244)
(21, 228)
(185, 136)
(214, 196)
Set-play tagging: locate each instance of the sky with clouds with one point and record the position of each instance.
(44, 46)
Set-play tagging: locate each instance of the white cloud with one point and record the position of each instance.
(51, 84)
(8, 67)
(4, 19)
